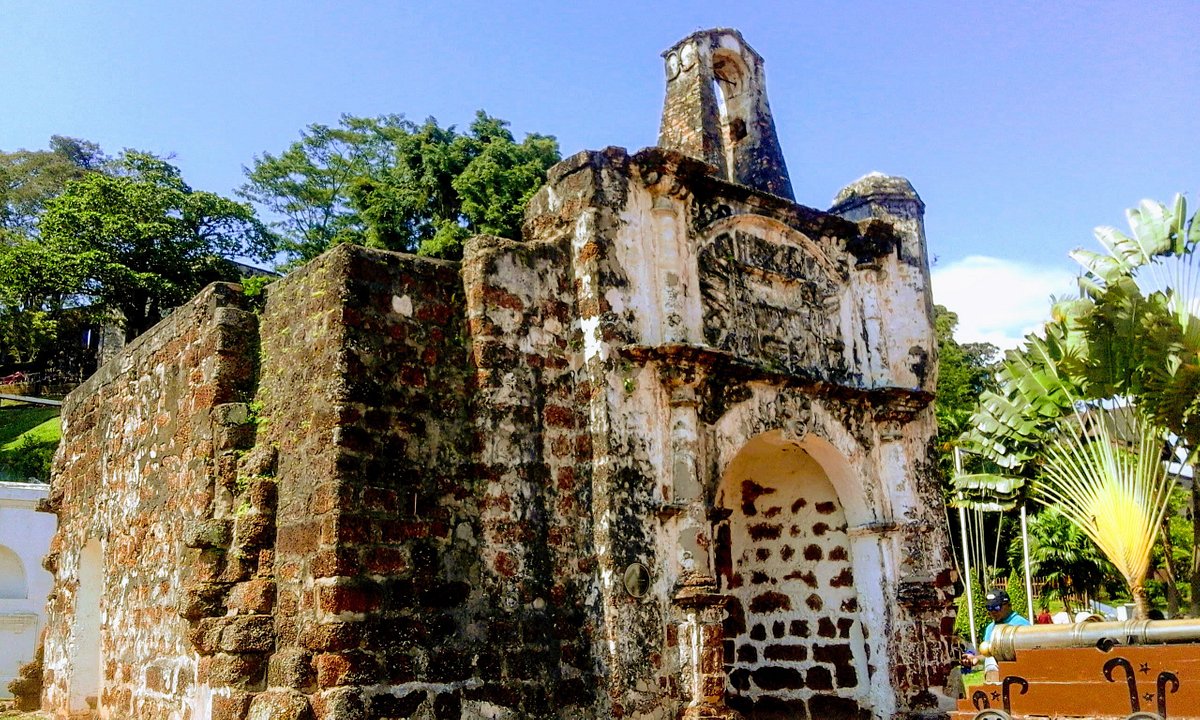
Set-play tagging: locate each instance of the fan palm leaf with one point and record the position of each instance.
(1112, 488)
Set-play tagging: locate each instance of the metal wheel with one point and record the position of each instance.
(992, 714)
(1145, 715)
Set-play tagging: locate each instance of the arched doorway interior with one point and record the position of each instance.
(796, 646)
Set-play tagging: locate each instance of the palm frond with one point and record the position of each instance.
(1114, 488)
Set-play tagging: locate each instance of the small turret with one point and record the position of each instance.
(716, 110)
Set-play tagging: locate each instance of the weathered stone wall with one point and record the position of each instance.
(533, 441)
(657, 245)
(134, 475)
(375, 551)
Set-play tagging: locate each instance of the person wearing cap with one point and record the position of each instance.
(999, 606)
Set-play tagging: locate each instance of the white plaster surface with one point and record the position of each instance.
(24, 539)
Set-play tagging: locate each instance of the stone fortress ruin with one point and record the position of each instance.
(668, 456)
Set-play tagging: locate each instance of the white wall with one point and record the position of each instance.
(24, 539)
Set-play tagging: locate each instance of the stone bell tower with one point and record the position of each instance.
(716, 110)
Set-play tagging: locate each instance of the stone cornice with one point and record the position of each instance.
(888, 402)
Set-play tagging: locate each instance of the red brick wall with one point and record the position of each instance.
(141, 458)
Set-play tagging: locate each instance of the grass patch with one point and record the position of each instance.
(28, 438)
(17, 421)
(972, 679)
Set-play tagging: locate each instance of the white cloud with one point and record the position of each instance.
(997, 300)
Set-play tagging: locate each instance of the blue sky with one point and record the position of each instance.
(1022, 125)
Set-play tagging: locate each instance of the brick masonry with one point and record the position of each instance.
(408, 488)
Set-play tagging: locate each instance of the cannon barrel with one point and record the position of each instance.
(1008, 640)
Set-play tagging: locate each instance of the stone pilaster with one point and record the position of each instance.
(702, 636)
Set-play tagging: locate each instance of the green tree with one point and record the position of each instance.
(307, 186)
(140, 241)
(964, 373)
(36, 284)
(31, 178)
(1131, 339)
(445, 186)
(1108, 477)
(1172, 555)
(390, 183)
(962, 623)
(1092, 459)
(1063, 557)
(1015, 586)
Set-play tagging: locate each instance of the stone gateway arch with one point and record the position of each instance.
(668, 455)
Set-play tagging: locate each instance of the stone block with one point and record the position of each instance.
(205, 635)
(254, 530)
(248, 634)
(447, 706)
(280, 705)
(240, 565)
(261, 461)
(203, 600)
(349, 667)
(231, 414)
(826, 628)
(242, 671)
(348, 597)
(262, 493)
(786, 653)
(335, 562)
(211, 533)
(395, 706)
(778, 678)
(819, 678)
(233, 706)
(292, 668)
(324, 637)
(252, 597)
(341, 704)
(233, 437)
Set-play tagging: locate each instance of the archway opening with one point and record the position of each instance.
(795, 643)
(85, 684)
(729, 79)
(13, 584)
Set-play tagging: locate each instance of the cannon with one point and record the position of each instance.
(1131, 670)
(1008, 640)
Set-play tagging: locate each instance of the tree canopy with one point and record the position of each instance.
(306, 188)
(144, 240)
(124, 238)
(390, 183)
(964, 373)
(31, 178)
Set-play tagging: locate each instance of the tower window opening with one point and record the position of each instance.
(727, 89)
